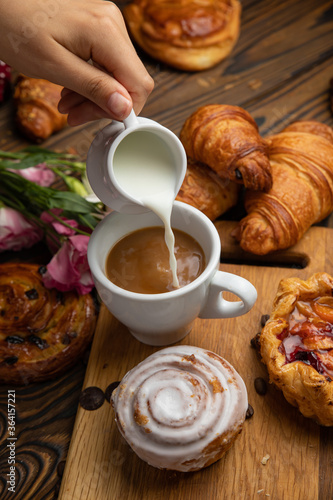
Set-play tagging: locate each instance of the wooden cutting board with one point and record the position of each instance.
(279, 454)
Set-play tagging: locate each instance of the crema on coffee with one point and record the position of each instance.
(139, 262)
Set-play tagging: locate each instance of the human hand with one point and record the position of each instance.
(82, 45)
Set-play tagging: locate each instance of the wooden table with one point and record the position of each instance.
(279, 71)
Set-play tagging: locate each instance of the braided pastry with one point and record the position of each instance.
(42, 332)
(181, 408)
(190, 35)
(226, 138)
(296, 344)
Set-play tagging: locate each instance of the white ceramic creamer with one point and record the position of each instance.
(137, 166)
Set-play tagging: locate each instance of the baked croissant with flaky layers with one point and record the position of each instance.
(205, 190)
(36, 102)
(296, 344)
(181, 408)
(190, 35)
(226, 138)
(302, 194)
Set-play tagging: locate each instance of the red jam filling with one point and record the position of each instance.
(309, 335)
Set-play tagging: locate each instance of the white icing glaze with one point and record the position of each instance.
(172, 406)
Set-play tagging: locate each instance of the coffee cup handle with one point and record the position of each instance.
(217, 307)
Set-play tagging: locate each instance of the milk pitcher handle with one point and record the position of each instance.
(131, 120)
(218, 307)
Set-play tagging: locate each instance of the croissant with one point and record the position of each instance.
(42, 331)
(181, 408)
(36, 101)
(205, 190)
(302, 194)
(190, 35)
(296, 345)
(226, 138)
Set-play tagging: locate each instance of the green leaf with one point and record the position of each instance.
(71, 202)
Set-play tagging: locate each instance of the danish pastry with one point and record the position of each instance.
(181, 408)
(42, 331)
(296, 344)
(226, 138)
(205, 190)
(191, 35)
(302, 193)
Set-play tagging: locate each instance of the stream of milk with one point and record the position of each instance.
(144, 167)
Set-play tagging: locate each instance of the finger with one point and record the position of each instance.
(69, 100)
(84, 112)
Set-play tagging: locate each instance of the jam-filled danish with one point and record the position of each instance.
(296, 344)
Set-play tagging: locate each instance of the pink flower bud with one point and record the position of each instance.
(16, 232)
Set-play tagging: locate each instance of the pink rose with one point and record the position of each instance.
(16, 232)
(54, 243)
(40, 174)
(69, 269)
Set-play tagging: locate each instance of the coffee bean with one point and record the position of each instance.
(249, 412)
(255, 342)
(109, 390)
(91, 398)
(260, 386)
(264, 319)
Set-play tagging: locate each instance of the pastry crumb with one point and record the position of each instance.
(265, 459)
(255, 84)
(260, 491)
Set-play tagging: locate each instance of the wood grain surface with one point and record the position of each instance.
(101, 465)
(279, 71)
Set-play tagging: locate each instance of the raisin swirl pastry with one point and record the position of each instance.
(181, 408)
(227, 139)
(296, 344)
(191, 35)
(42, 331)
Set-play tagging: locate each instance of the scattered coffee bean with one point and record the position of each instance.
(109, 390)
(255, 342)
(264, 319)
(32, 294)
(249, 412)
(260, 386)
(15, 339)
(91, 398)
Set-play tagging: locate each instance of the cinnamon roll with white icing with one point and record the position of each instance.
(181, 408)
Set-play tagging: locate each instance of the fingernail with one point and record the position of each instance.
(118, 105)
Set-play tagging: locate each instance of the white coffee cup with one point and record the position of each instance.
(117, 139)
(165, 318)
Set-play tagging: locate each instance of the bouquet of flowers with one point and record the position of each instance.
(30, 210)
